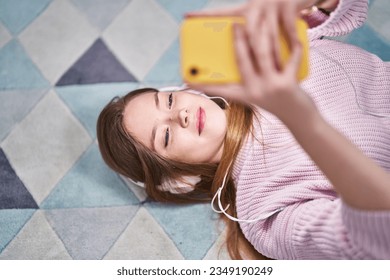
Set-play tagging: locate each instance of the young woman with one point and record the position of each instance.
(298, 170)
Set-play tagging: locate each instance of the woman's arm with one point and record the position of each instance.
(358, 180)
(321, 229)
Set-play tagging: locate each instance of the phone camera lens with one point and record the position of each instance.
(194, 71)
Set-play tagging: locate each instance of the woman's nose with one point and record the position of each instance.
(182, 117)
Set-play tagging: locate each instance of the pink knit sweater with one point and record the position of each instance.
(352, 90)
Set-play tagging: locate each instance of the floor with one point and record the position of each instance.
(61, 61)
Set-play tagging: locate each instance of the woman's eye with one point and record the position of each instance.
(170, 98)
(166, 138)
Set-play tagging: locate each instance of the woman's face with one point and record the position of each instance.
(178, 125)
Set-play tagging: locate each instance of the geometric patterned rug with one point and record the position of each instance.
(61, 61)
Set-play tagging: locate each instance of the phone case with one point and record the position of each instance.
(207, 50)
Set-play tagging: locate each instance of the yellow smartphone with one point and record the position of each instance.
(207, 51)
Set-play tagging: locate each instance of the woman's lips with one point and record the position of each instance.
(201, 119)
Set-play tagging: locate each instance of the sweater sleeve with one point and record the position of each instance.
(349, 15)
(323, 229)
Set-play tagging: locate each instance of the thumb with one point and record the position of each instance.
(295, 58)
(227, 91)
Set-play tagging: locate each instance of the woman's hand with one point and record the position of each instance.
(265, 82)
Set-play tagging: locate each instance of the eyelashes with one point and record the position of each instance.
(166, 139)
(170, 99)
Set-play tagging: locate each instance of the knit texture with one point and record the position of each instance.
(351, 88)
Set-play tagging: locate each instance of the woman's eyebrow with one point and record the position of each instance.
(157, 100)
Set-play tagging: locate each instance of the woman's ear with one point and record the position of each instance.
(184, 185)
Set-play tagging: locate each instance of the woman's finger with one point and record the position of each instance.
(253, 15)
(288, 21)
(230, 11)
(274, 27)
(293, 64)
(262, 48)
(289, 25)
(243, 55)
(274, 31)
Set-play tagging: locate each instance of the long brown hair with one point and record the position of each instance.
(127, 156)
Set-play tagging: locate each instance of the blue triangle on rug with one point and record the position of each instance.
(97, 65)
(13, 193)
(11, 221)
